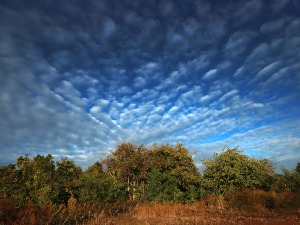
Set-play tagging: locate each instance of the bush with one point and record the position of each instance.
(259, 200)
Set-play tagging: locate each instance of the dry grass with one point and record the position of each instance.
(239, 207)
(179, 214)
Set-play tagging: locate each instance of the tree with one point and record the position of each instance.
(36, 179)
(288, 181)
(67, 176)
(8, 181)
(129, 165)
(232, 169)
(96, 169)
(99, 189)
(164, 173)
(174, 175)
(298, 167)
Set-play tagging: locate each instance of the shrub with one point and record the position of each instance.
(259, 200)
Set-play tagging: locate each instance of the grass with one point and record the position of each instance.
(238, 207)
(211, 210)
(178, 214)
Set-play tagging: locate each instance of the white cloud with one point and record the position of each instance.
(240, 72)
(139, 82)
(257, 105)
(237, 44)
(123, 90)
(276, 77)
(259, 51)
(204, 98)
(169, 82)
(228, 95)
(210, 74)
(95, 109)
(267, 70)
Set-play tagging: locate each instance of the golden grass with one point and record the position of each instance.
(199, 213)
(239, 207)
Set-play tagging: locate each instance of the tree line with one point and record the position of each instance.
(137, 173)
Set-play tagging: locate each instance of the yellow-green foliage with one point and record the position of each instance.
(232, 170)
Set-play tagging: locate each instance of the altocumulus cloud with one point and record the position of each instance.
(78, 79)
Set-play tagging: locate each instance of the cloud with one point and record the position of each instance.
(77, 82)
(228, 95)
(238, 44)
(267, 70)
(95, 109)
(109, 28)
(279, 5)
(210, 74)
(124, 90)
(212, 95)
(247, 11)
(139, 82)
(274, 26)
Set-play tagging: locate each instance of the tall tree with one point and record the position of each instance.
(37, 178)
(67, 175)
(129, 165)
(98, 187)
(174, 175)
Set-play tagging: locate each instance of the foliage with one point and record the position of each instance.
(174, 175)
(128, 165)
(67, 178)
(99, 189)
(8, 181)
(36, 179)
(288, 181)
(233, 170)
(36, 190)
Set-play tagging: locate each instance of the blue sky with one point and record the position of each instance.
(78, 78)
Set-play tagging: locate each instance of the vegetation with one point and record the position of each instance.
(234, 170)
(37, 190)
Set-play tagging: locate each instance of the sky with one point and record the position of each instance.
(77, 78)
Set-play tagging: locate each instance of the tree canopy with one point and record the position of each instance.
(232, 170)
(139, 173)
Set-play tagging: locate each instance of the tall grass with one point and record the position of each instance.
(236, 207)
(262, 201)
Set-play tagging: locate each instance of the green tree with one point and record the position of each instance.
(288, 181)
(232, 169)
(129, 165)
(67, 176)
(8, 181)
(174, 175)
(99, 188)
(36, 179)
(96, 169)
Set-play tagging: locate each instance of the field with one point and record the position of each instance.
(240, 207)
(244, 207)
(179, 214)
